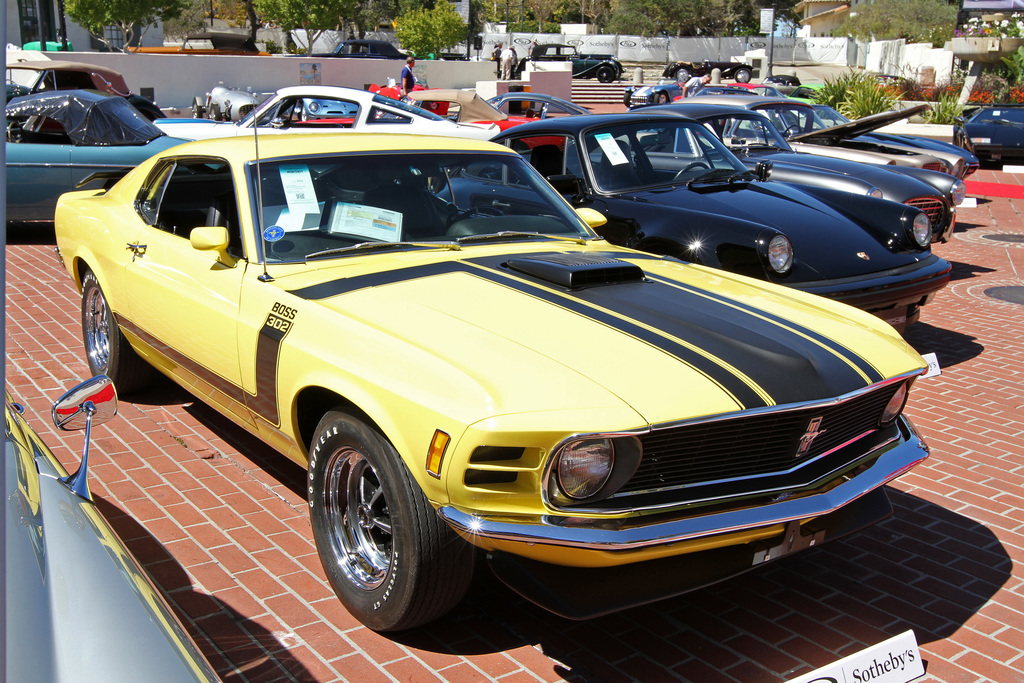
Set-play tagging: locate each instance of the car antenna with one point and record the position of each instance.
(265, 276)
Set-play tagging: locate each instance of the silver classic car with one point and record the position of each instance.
(79, 606)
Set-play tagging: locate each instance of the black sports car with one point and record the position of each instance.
(993, 133)
(753, 138)
(681, 71)
(668, 185)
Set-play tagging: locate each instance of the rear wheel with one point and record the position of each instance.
(106, 349)
(742, 75)
(606, 74)
(390, 559)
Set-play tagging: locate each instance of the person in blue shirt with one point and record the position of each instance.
(407, 78)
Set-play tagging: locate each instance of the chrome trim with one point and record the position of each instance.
(545, 476)
(597, 534)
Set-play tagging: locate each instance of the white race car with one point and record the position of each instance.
(329, 109)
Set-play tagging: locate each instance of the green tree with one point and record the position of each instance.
(431, 31)
(132, 17)
(916, 21)
(691, 17)
(312, 16)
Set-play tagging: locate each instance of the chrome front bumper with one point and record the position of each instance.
(602, 534)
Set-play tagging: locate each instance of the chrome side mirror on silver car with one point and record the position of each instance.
(94, 401)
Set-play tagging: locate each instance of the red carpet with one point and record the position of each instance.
(979, 189)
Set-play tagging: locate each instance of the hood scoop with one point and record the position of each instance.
(575, 271)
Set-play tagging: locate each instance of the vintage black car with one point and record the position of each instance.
(681, 71)
(365, 49)
(604, 68)
(752, 137)
(992, 133)
(668, 185)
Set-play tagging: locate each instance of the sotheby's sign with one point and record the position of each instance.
(897, 660)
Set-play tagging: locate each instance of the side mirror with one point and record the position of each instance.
(91, 402)
(592, 217)
(763, 170)
(212, 238)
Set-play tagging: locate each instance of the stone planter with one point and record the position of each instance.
(986, 50)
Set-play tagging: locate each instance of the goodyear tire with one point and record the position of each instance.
(742, 76)
(106, 349)
(390, 559)
(605, 74)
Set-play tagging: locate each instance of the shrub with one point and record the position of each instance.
(865, 96)
(945, 110)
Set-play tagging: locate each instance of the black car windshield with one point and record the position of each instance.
(330, 206)
(745, 132)
(645, 155)
(793, 119)
(1009, 115)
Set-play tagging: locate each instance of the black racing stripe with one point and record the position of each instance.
(490, 268)
(220, 384)
(268, 349)
(862, 364)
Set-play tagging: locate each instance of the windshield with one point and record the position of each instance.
(645, 155)
(793, 120)
(748, 132)
(829, 115)
(1014, 116)
(325, 206)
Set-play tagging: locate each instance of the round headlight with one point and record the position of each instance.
(922, 230)
(959, 192)
(780, 254)
(584, 467)
(895, 405)
(958, 168)
(875, 192)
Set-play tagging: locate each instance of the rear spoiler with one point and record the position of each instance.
(109, 178)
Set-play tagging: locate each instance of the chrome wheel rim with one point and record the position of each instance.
(359, 519)
(96, 328)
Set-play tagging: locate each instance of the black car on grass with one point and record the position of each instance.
(668, 185)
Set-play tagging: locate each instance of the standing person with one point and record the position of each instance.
(695, 85)
(408, 78)
(496, 58)
(508, 56)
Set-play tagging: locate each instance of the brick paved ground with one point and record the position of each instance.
(220, 522)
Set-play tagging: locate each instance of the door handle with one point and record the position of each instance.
(136, 249)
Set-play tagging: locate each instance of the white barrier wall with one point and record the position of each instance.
(176, 79)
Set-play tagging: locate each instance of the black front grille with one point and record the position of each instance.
(934, 208)
(754, 447)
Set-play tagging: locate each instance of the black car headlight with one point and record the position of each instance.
(780, 254)
(958, 192)
(589, 469)
(920, 230)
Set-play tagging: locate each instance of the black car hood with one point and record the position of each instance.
(828, 239)
(897, 185)
(845, 131)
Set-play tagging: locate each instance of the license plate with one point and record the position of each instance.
(897, 316)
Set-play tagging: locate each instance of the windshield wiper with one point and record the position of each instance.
(371, 246)
(1004, 122)
(512, 234)
(719, 175)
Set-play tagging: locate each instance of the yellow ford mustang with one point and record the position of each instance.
(461, 362)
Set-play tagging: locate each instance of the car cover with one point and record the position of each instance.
(89, 117)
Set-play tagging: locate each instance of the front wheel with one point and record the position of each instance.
(106, 349)
(390, 559)
(663, 97)
(742, 75)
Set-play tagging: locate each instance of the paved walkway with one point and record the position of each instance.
(220, 521)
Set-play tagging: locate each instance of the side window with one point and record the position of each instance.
(189, 194)
(378, 115)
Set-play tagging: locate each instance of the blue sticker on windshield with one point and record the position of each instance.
(273, 233)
